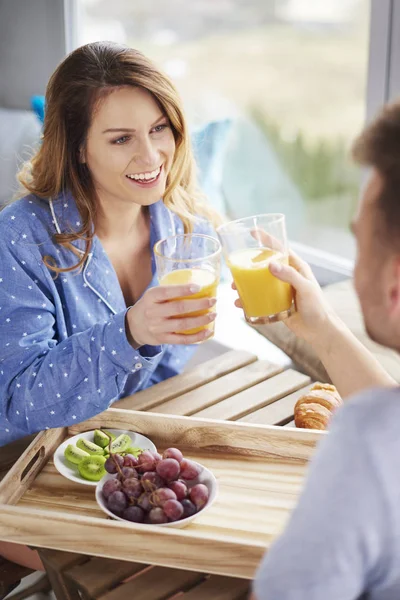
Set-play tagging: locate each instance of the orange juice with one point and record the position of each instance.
(262, 294)
(208, 282)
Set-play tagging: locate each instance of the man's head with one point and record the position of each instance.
(377, 228)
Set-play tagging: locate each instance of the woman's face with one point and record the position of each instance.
(130, 148)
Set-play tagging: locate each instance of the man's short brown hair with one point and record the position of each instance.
(378, 146)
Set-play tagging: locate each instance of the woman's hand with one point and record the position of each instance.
(313, 311)
(156, 318)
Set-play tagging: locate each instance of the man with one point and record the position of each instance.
(343, 539)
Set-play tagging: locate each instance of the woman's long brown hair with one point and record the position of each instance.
(77, 85)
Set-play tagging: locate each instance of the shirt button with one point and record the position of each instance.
(138, 366)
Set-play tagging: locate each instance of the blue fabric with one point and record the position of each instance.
(210, 143)
(254, 181)
(64, 354)
(38, 106)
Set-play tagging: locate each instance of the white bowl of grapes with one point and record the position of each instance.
(166, 490)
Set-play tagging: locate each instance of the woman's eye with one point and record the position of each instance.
(159, 128)
(122, 140)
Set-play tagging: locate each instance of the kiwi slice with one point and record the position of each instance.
(89, 447)
(134, 451)
(92, 467)
(74, 455)
(101, 439)
(121, 443)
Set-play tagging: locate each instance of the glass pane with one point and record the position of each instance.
(283, 83)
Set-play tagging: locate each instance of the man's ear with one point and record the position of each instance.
(394, 288)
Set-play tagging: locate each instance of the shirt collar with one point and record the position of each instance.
(66, 219)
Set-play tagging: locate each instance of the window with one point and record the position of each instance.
(283, 81)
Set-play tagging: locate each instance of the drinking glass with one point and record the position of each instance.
(249, 245)
(190, 258)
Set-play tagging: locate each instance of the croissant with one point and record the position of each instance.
(314, 410)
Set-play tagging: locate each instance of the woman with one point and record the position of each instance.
(82, 321)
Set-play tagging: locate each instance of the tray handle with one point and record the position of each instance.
(29, 465)
(34, 465)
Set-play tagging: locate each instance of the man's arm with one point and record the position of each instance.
(336, 346)
(339, 346)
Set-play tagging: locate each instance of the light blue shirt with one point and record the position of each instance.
(64, 353)
(343, 539)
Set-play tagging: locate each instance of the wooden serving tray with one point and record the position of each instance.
(260, 471)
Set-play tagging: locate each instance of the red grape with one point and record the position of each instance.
(109, 465)
(151, 481)
(134, 514)
(132, 488)
(157, 457)
(127, 473)
(154, 488)
(160, 496)
(199, 495)
(173, 509)
(180, 489)
(168, 469)
(157, 516)
(110, 486)
(173, 453)
(147, 462)
(189, 469)
(145, 502)
(130, 460)
(117, 502)
(189, 508)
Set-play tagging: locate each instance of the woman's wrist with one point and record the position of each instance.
(129, 328)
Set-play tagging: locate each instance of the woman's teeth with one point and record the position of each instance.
(145, 176)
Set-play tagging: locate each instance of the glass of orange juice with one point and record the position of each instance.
(190, 258)
(249, 245)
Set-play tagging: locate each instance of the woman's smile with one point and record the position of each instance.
(148, 179)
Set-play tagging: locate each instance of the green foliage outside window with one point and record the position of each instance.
(321, 169)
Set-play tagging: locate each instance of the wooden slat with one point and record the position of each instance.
(278, 413)
(99, 575)
(208, 435)
(154, 584)
(61, 561)
(258, 396)
(218, 390)
(187, 381)
(173, 548)
(217, 587)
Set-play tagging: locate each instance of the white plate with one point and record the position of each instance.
(71, 472)
(206, 477)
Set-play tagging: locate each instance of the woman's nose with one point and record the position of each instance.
(147, 155)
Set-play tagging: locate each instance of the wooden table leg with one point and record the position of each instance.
(55, 564)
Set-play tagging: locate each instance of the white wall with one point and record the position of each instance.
(32, 43)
